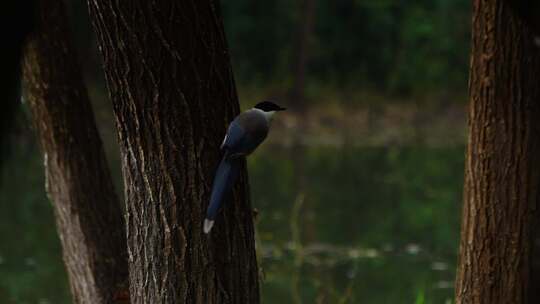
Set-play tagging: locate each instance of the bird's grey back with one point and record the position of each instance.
(254, 123)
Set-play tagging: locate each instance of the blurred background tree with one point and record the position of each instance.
(88, 215)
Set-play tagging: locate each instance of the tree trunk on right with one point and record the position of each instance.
(502, 167)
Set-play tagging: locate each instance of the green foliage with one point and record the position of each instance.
(396, 46)
(420, 298)
(259, 35)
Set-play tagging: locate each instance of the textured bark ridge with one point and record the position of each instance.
(169, 76)
(503, 160)
(87, 211)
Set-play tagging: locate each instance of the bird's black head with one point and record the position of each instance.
(268, 106)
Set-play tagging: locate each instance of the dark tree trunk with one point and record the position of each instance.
(170, 80)
(529, 12)
(87, 211)
(502, 168)
(16, 22)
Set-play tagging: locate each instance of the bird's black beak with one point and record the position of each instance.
(282, 109)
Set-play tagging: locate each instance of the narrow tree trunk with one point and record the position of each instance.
(88, 215)
(503, 160)
(301, 53)
(167, 68)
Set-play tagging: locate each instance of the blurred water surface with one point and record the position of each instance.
(358, 225)
(335, 225)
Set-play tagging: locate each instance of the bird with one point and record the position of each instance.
(244, 134)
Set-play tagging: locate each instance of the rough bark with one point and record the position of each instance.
(169, 77)
(501, 173)
(88, 214)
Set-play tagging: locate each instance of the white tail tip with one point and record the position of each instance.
(208, 225)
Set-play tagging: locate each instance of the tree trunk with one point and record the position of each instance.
(529, 12)
(88, 215)
(170, 80)
(16, 22)
(301, 53)
(502, 168)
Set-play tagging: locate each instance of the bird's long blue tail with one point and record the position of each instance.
(226, 175)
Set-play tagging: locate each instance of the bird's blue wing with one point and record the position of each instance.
(235, 139)
(245, 133)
